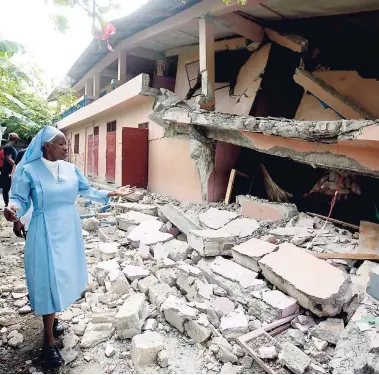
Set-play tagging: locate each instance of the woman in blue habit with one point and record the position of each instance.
(55, 264)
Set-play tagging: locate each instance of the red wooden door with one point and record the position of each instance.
(110, 173)
(135, 157)
(90, 155)
(95, 171)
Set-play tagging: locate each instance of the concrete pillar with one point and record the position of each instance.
(207, 62)
(88, 87)
(96, 85)
(122, 67)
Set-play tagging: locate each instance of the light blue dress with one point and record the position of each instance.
(55, 264)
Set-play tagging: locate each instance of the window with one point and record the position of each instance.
(76, 144)
(144, 125)
(111, 126)
(96, 130)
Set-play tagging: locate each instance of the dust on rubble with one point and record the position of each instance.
(189, 307)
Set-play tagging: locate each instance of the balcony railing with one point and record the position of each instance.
(83, 103)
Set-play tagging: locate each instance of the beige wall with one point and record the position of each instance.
(364, 92)
(248, 82)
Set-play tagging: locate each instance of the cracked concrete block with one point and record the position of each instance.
(262, 310)
(215, 219)
(297, 273)
(320, 345)
(93, 336)
(234, 325)
(235, 272)
(248, 253)
(167, 276)
(241, 227)
(137, 207)
(131, 316)
(158, 293)
(222, 306)
(198, 330)
(329, 330)
(177, 217)
(265, 210)
(293, 358)
(146, 283)
(105, 250)
(145, 349)
(210, 242)
(160, 252)
(135, 272)
(225, 350)
(177, 312)
(132, 218)
(148, 233)
(177, 250)
(115, 282)
(290, 232)
(267, 352)
(373, 285)
(286, 305)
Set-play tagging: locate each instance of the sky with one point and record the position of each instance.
(29, 22)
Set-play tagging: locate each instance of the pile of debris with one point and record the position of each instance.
(239, 295)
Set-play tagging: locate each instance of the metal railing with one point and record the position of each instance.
(81, 104)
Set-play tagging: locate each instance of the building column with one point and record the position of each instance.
(88, 87)
(207, 62)
(122, 67)
(96, 85)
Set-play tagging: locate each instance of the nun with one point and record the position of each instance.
(54, 256)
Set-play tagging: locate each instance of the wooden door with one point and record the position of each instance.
(110, 173)
(135, 157)
(90, 155)
(95, 171)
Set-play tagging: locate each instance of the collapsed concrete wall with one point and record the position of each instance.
(343, 144)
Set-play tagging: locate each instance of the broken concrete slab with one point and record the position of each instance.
(145, 349)
(93, 336)
(199, 330)
(329, 330)
(131, 316)
(182, 221)
(263, 311)
(215, 219)
(145, 283)
(115, 282)
(148, 233)
(290, 232)
(106, 250)
(373, 286)
(210, 242)
(135, 272)
(222, 305)
(241, 227)
(177, 312)
(287, 306)
(235, 272)
(225, 350)
(352, 353)
(248, 253)
(158, 293)
(167, 276)
(177, 250)
(320, 345)
(138, 207)
(268, 352)
(297, 273)
(303, 323)
(293, 358)
(234, 325)
(265, 210)
(131, 218)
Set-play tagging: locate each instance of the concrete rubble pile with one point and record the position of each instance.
(174, 286)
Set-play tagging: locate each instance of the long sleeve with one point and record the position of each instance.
(86, 190)
(20, 191)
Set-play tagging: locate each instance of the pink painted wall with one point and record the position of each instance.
(364, 92)
(225, 160)
(171, 170)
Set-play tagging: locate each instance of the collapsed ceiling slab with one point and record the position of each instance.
(171, 110)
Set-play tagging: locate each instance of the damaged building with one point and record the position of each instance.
(285, 95)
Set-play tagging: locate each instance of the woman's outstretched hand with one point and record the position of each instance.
(122, 191)
(10, 213)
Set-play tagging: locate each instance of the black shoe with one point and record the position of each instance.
(58, 329)
(50, 358)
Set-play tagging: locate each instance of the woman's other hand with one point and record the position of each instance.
(19, 229)
(10, 213)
